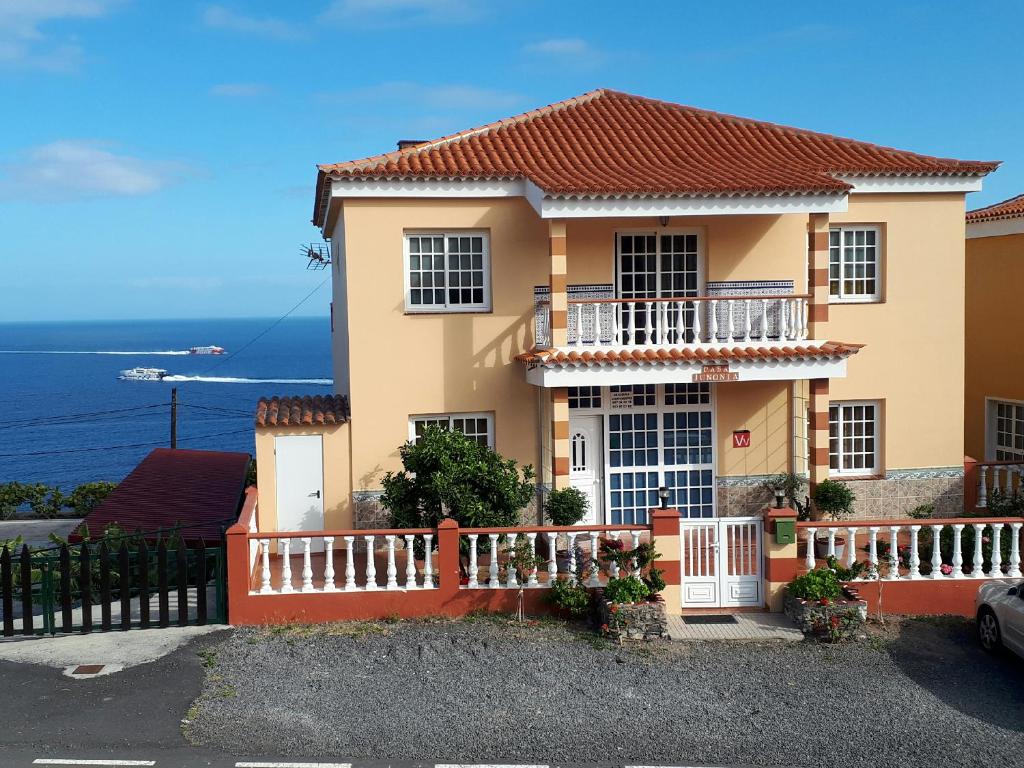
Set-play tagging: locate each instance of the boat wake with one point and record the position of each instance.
(237, 380)
(90, 352)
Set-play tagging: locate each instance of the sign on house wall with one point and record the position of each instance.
(716, 373)
(621, 401)
(741, 438)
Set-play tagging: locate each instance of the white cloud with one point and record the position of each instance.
(24, 44)
(448, 97)
(239, 90)
(398, 13)
(219, 17)
(75, 169)
(566, 51)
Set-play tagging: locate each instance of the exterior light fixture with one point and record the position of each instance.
(780, 498)
(663, 220)
(663, 495)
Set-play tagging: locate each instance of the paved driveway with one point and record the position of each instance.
(488, 691)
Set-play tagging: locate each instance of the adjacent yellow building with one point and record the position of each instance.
(633, 295)
(994, 385)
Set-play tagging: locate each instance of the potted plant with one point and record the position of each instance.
(565, 506)
(834, 500)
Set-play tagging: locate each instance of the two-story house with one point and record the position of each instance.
(632, 295)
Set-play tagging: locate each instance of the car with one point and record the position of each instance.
(1000, 614)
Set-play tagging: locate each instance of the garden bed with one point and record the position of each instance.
(831, 620)
(623, 622)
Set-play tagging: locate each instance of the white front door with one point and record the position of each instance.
(586, 464)
(720, 562)
(299, 466)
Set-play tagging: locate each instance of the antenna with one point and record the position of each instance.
(317, 255)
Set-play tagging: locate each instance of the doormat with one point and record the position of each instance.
(710, 618)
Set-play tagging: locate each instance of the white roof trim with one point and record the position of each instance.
(676, 371)
(995, 228)
(900, 184)
(548, 206)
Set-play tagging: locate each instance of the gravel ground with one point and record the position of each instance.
(486, 690)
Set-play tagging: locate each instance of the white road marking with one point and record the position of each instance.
(486, 765)
(293, 765)
(73, 761)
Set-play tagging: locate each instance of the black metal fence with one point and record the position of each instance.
(82, 587)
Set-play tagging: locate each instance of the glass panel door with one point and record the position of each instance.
(666, 266)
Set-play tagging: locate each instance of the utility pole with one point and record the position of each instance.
(174, 417)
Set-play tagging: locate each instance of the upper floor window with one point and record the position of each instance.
(853, 437)
(854, 264)
(447, 272)
(478, 426)
(1005, 430)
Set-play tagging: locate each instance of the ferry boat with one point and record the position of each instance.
(143, 374)
(206, 350)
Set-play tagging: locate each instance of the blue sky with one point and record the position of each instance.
(157, 159)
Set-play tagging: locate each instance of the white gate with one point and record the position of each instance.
(720, 562)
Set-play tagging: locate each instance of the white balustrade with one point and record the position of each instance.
(265, 587)
(473, 583)
(307, 565)
(350, 567)
(681, 321)
(1000, 479)
(286, 565)
(410, 562)
(831, 551)
(635, 541)
(552, 557)
(371, 567)
(531, 577)
(595, 570)
(510, 570)
(494, 580)
(570, 545)
(613, 567)
(392, 571)
(913, 562)
(329, 564)
(428, 564)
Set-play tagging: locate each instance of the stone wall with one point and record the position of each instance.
(832, 620)
(632, 621)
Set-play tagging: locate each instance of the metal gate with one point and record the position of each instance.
(720, 562)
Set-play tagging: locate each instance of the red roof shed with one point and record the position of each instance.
(199, 491)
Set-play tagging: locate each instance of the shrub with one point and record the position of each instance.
(821, 583)
(86, 497)
(644, 555)
(566, 506)
(447, 471)
(569, 597)
(626, 589)
(834, 498)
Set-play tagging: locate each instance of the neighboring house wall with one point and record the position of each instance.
(994, 348)
(337, 490)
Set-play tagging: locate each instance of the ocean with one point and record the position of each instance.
(66, 418)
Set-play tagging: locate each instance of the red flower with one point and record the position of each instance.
(463, 580)
(824, 601)
(614, 609)
(604, 628)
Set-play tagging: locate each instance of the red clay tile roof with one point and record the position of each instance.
(200, 490)
(611, 143)
(302, 411)
(688, 354)
(1008, 209)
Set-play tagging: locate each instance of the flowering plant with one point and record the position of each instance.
(946, 569)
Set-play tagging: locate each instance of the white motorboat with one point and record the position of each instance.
(206, 350)
(143, 374)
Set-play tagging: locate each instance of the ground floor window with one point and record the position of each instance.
(854, 433)
(657, 435)
(1005, 430)
(479, 426)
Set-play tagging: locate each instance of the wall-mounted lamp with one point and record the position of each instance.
(663, 220)
(663, 495)
(780, 498)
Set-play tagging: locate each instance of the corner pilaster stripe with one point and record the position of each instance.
(817, 260)
(557, 283)
(560, 433)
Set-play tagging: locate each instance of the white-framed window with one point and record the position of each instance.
(854, 435)
(479, 426)
(1004, 430)
(447, 272)
(584, 397)
(854, 264)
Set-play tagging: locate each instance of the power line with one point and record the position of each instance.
(267, 330)
(69, 417)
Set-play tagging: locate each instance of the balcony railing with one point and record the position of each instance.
(681, 321)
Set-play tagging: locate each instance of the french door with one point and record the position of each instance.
(658, 266)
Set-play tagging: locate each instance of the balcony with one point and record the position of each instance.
(660, 323)
(719, 338)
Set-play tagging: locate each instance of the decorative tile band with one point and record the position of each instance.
(922, 473)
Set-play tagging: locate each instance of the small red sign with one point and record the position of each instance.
(741, 438)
